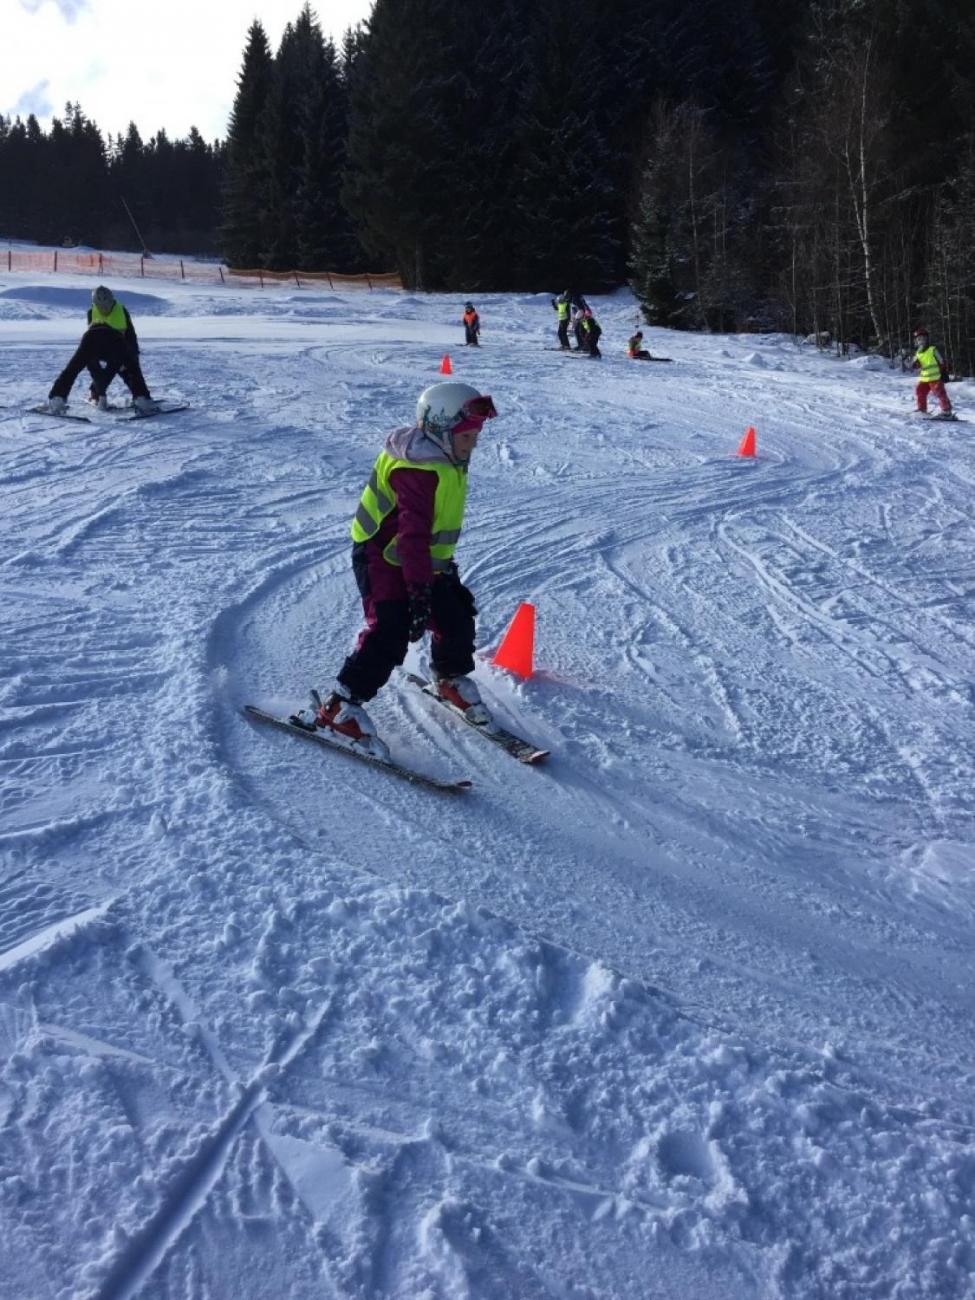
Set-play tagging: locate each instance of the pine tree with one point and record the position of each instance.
(241, 234)
(566, 216)
(402, 158)
(323, 235)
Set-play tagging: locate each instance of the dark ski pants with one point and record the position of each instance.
(383, 643)
(563, 333)
(105, 353)
(470, 337)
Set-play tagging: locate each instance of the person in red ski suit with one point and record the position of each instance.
(933, 370)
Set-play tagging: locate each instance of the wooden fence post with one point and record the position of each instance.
(222, 280)
(182, 273)
(55, 259)
(142, 267)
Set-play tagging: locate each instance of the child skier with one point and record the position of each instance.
(635, 348)
(934, 372)
(108, 347)
(404, 533)
(591, 330)
(472, 326)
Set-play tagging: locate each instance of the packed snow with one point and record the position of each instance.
(687, 1012)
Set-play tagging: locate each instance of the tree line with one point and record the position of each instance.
(69, 185)
(743, 164)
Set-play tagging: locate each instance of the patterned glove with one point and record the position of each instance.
(419, 610)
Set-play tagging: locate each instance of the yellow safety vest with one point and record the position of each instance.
(115, 318)
(379, 500)
(930, 367)
(562, 308)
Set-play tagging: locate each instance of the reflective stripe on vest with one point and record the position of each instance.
(115, 318)
(562, 308)
(930, 368)
(379, 500)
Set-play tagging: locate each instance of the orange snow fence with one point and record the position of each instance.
(105, 265)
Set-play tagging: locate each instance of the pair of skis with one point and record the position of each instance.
(119, 414)
(519, 748)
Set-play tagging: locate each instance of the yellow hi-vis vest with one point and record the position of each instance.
(379, 500)
(930, 369)
(562, 308)
(115, 318)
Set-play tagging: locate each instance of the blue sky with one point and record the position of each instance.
(168, 66)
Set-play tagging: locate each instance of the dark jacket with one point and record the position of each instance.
(130, 335)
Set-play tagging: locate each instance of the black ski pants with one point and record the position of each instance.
(105, 353)
(383, 643)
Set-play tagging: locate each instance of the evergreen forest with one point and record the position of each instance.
(742, 164)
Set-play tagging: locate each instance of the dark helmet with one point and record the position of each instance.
(921, 332)
(469, 306)
(103, 299)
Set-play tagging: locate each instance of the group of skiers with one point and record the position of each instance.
(575, 315)
(410, 515)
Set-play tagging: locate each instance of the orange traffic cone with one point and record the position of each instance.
(515, 650)
(445, 365)
(747, 445)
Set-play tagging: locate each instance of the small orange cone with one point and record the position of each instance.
(515, 650)
(445, 365)
(747, 445)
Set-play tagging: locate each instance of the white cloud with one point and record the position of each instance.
(70, 9)
(163, 67)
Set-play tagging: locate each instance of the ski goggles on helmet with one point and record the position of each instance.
(473, 414)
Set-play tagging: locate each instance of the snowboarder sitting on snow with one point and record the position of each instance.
(563, 305)
(591, 330)
(472, 326)
(635, 348)
(108, 347)
(933, 370)
(404, 534)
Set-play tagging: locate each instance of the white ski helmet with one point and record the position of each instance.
(445, 409)
(103, 299)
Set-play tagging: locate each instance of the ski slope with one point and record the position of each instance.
(687, 1012)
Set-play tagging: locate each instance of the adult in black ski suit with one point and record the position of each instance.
(108, 347)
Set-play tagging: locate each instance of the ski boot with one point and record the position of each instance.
(463, 694)
(344, 715)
